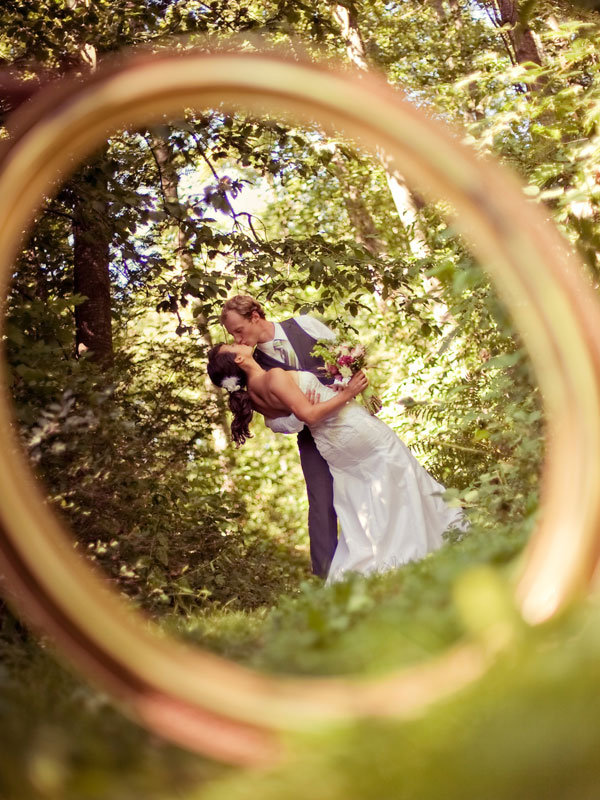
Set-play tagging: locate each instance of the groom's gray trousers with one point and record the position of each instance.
(322, 520)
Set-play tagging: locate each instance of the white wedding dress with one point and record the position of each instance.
(389, 507)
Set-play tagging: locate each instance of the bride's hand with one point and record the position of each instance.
(358, 383)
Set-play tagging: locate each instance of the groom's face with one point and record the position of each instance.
(245, 330)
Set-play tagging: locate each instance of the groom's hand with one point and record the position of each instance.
(313, 397)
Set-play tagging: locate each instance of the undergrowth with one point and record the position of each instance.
(64, 739)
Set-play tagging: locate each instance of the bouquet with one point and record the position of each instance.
(342, 359)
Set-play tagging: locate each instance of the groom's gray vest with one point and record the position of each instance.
(322, 521)
(302, 344)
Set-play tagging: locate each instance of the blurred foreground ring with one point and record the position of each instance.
(193, 697)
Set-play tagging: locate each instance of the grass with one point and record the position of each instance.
(529, 728)
(363, 625)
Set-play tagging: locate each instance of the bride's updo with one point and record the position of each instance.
(225, 373)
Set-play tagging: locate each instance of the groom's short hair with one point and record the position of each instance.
(244, 305)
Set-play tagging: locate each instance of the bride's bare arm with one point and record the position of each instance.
(289, 394)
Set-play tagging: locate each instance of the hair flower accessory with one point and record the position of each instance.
(232, 384)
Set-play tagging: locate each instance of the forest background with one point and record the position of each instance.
(115, 301)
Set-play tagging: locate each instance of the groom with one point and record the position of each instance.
(288, 344)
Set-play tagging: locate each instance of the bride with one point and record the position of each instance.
(389, 508)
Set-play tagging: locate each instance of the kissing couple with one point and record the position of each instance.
(357, 471)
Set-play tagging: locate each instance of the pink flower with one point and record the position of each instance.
(332, 369)
(358, 351)
(345, 361)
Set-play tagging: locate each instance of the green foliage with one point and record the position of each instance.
(366, 625)
(529, 727)
(213, 541)
(62, 739)
(131, 466)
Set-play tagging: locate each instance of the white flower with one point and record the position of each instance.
(232, 384)
(346, 372)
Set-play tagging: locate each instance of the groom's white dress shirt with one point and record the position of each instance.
(280, 341)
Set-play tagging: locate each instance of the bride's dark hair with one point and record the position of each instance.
(222, 366)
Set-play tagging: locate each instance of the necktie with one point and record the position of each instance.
(285, 354)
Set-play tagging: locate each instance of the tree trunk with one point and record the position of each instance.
(404, 201)
(438, 7)
(169, 180)
(91, 246)
(355, 49)
(358, 213)
(362, 221)
(522, 43)
(92, 234)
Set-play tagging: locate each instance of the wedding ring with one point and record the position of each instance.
(196, 698)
